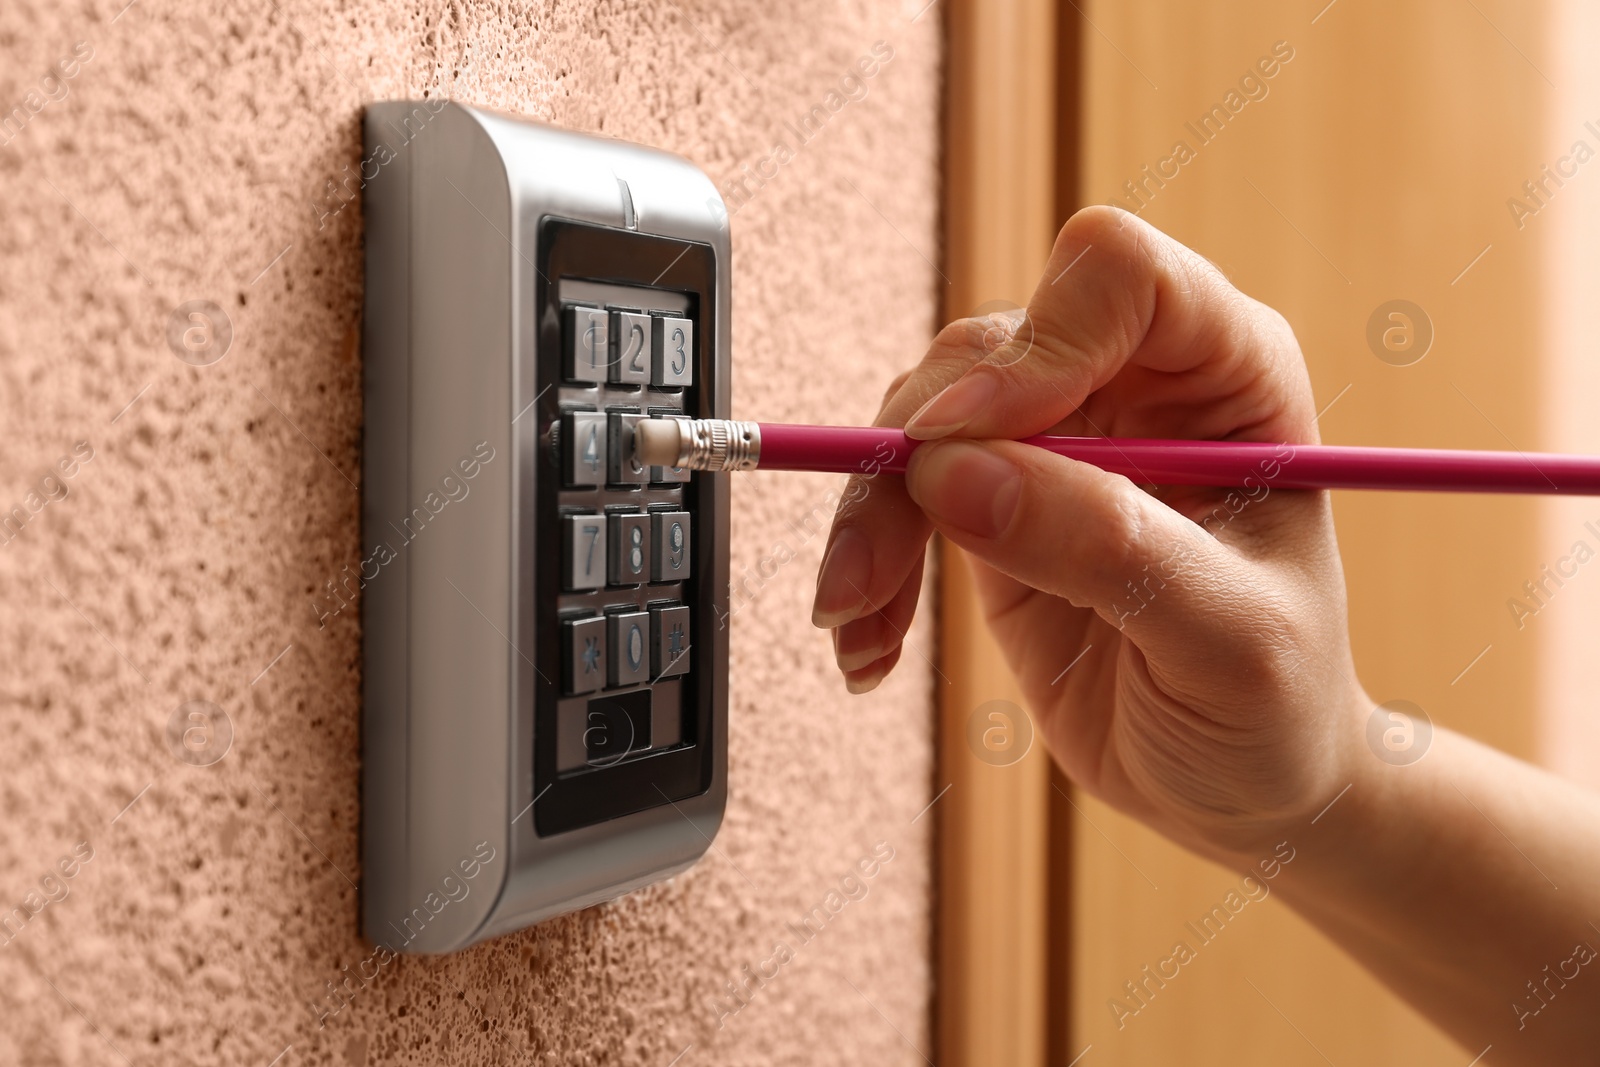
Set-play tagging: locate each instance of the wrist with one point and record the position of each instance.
(1362, 832)
(1342, 767)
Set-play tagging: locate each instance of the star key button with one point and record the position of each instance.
(584, 654)
(670, 641)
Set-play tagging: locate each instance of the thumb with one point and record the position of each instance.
(1093, 538)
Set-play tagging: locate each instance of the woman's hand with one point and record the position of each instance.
(1184, 650)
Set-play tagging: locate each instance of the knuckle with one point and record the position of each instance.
(1274, 327)
(894, 387)
(959, 341)
(1111, 539)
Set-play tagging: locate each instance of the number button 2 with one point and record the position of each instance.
(674, 352)
(630, 348)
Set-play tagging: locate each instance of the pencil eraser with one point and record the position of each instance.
(656, 442)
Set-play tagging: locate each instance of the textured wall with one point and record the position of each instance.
(187, 157)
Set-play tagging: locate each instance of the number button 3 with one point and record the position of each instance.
(674, 352)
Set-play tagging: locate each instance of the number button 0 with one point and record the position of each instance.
(630, 348)
(584, 551)
(630, 650)
(584, 437)
(674, 352)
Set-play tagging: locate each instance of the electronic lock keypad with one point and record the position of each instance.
(545, 687)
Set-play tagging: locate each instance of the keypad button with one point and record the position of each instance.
(583, 551)
(625, 466)
(584, 665)
(630, 647)
(587, 350)
(630, 348)
(670, 475)
(627, 541)
(673, 353)
(669, 545)
(669, 641)
(584, 442)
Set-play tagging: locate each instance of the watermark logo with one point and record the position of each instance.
(1399, 732)
(1005, 326)
(999, 733)
(199, 733)
(1399, 332)
(199, 332)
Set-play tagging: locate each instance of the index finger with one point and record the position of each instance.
(878, 532)
(1117, 292)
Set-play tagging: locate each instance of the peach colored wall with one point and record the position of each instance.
(186, 158)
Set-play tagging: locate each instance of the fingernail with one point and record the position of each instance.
(865, 681)
(859, 643)
(965, 486)
(842, 582)
(952, 409)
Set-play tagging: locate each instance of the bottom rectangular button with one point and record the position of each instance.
(669, 641)
(584, 654)
(616, 725)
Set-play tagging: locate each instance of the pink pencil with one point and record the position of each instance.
(723, 444)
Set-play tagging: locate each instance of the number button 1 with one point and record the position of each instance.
(584, 551)
(587, 345)
(630, 348)
(674, 352)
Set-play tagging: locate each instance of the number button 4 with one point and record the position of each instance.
(630, 348)
(584, 444)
